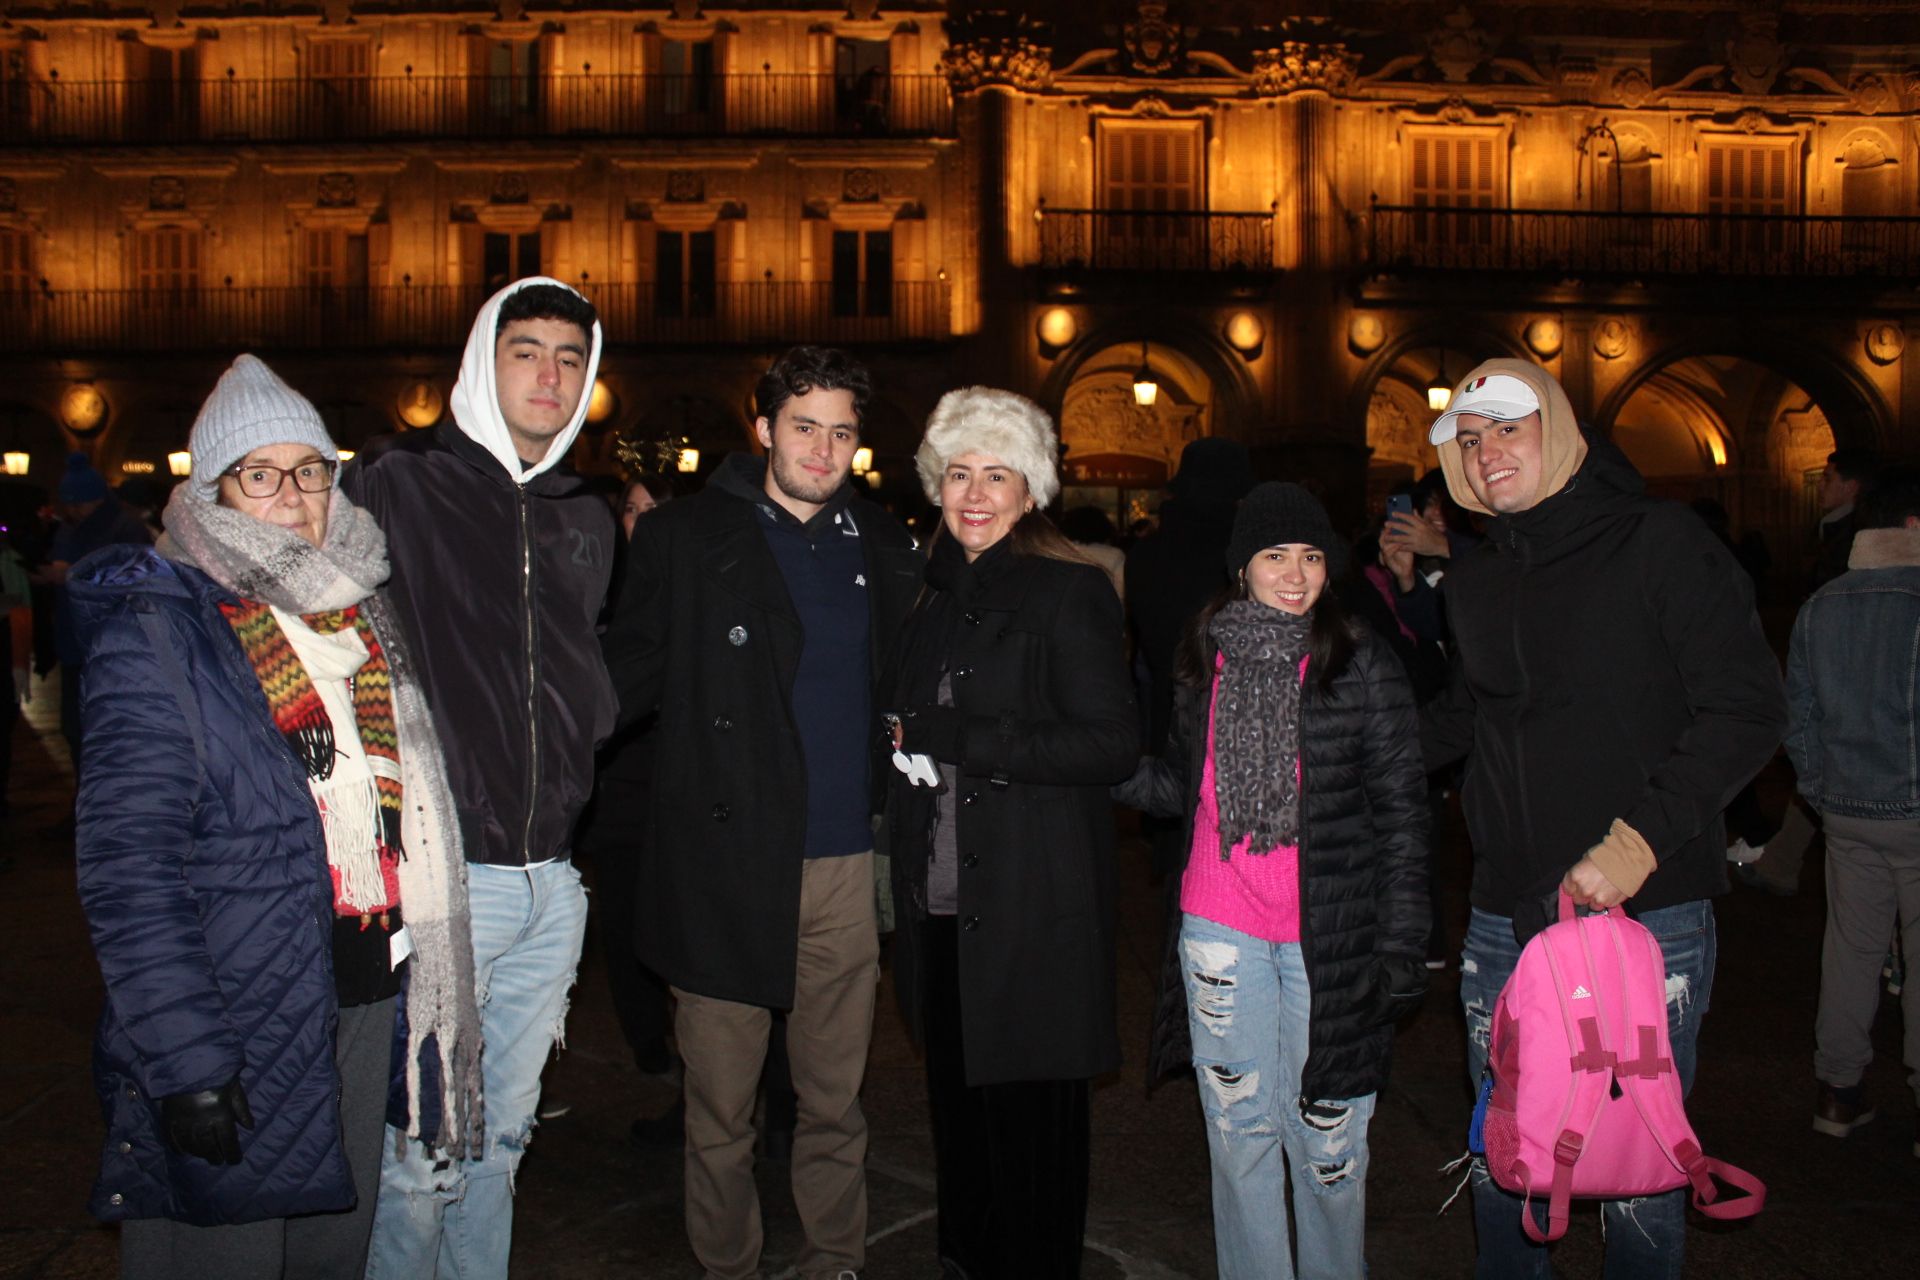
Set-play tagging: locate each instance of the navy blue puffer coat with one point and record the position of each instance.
(203, 873)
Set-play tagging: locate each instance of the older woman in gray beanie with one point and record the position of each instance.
(1012, 712)
(265, 838)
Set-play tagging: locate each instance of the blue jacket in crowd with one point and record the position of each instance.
(203, 873)
(1853, 685)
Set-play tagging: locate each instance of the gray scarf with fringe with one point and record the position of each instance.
(259, 561)
(1256, 725)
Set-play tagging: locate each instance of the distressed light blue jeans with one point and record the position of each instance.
(454, 1219)
(1247, 1000)
(1646, 1239)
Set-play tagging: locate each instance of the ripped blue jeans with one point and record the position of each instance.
(1247, 1001)
(1645, 1238)
(454, 1219)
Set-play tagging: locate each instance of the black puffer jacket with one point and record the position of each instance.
(1363, 862)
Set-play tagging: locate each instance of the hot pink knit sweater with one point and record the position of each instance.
(1258, 895)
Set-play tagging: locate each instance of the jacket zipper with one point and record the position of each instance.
(533, 685)
(1300, 871)
(1523, 557)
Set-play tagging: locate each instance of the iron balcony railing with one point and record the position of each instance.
(1155, 240)
(1641, 245)
(376, 108)
(438, 317)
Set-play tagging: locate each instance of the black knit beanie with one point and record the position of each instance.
(1277, 512)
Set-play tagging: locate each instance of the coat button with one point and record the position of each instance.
(116, 1198)
(963, 673)
(970, 924)
(737, 636)
(126, 1148)
(971, 618)
(722, 723)
(133, 1094)
(970, 797)
(971, 861)
(721, 813)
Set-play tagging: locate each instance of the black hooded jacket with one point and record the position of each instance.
(1609, 665)
(499, 584)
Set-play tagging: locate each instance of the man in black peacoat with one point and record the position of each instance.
(754, 619)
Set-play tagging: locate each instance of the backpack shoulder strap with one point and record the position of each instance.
(1591, 1065)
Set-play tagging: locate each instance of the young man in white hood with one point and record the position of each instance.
(501, 559)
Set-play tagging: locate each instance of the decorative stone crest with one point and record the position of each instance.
(1884, 343)
(1366, 332)
(686, 186)
(1611, 338)
(166, 192)
(1755, 57)
(1752, 120)
(1459, 46)
(337, 191)
(1631, 88)
(1299, 66)
(9, 195)
(1154, 45)
(1871, 94)
(1544, 337)
(860, 186)
(510, 188)
(994, 50)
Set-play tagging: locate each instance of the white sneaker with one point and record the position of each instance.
(1741, 853)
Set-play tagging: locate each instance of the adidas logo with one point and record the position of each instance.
(1581, 993)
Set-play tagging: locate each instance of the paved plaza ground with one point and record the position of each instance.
(591, 1205)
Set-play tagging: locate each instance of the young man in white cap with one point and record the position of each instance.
(1613, 691)
(500, 563)
(755, 618)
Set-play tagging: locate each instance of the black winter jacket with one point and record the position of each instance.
(1043, 722)
(499, 585)
(1609, 665)
(706, 634)
(1363, 863)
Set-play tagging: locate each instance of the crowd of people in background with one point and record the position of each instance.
(339, 731)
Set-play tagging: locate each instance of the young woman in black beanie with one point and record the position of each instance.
(1295, 759)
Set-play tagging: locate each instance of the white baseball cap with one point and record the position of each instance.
(1499, 396)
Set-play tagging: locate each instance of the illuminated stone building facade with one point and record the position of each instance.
(1291, 216)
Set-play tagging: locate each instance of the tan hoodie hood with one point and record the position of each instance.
(1562, 448)
(476, 397)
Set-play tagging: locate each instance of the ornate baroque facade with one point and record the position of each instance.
(1702, 217)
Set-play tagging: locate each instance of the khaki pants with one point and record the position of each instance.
(724, 1045)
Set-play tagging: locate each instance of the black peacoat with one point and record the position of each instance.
(706, 634)
(1043, 721)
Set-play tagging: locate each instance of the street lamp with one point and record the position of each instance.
(180, 463)
(17, 462)
(862, 460)
(1439, 390)
(1145, 389)
(688, 461)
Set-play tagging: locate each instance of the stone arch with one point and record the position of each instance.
(1856, 411)
(1235, 404)
(1482, 342)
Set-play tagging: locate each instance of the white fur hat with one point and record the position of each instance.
(1001, 425)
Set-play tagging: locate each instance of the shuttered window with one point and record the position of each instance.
(683, 274)
(16, 264)
(167, 260)
(1152, 195)
(1753, 183)
(1454, 170)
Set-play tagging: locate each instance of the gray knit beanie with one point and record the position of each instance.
(251, 407)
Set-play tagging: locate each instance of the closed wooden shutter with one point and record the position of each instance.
(1453, 172)
(1151, 168)
(1748, 178)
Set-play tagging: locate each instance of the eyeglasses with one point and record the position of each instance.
(261, 481)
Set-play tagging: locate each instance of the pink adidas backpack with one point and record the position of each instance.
(1585, 1100)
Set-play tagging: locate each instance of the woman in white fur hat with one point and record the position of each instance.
(1010, 687)
(258, 757)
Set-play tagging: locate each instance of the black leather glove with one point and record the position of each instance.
(1399, 985)
(208, 1123)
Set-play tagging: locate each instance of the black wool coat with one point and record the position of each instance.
(705, 634)
(1043, 723)
(1363, 861)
